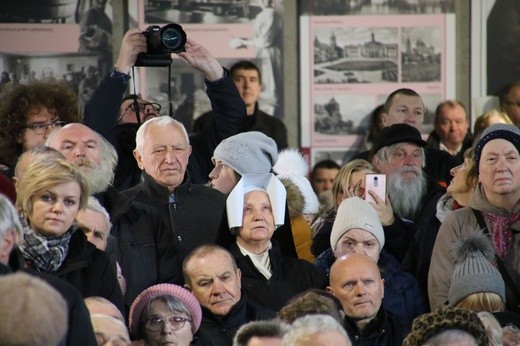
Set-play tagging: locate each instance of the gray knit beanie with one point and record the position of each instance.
(508, 132)
(352, 213)
(474, 272)
(248, 153)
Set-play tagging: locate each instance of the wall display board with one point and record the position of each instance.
(350, 63)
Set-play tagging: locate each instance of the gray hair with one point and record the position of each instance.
(266, 329)
(385, 153)
(451, 336)
(309, 325)
(9, 219)
(493, 328)
(164, 120)
(94, 205)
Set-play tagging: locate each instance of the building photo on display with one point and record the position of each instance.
(355, 55)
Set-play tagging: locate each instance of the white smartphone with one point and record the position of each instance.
(376, 183)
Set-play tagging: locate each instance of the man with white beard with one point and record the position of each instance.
(144, 248)
(399, 153)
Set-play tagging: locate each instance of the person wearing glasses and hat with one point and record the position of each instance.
(117, 118)
(165, 314)
(29, 113)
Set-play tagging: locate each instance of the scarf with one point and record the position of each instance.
(261, 262)
(44, 253)
(501, 234)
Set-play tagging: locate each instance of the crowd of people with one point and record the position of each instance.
(128, 228)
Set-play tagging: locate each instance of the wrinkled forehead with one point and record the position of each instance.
(215, 262)
(499, 145)
(72, 133)
(170, 134)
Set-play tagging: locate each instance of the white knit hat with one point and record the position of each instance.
(293, 166)
(247, 153)
(352, 213)
(250, 182)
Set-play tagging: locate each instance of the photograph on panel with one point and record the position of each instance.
(78, 71)
(355, 55)
(346, 114)
(421, 54)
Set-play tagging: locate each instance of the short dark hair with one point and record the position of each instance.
(402, 91)
(504, 92)
(267, 329)
(245, 65)
(327, 164)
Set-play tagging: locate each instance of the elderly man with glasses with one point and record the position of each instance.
(117, 118)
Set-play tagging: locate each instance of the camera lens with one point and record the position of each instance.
(173, 38)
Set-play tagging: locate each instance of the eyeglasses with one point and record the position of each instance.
(41, 128)
(155, 324)
(142, 106)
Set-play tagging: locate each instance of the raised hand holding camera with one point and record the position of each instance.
(160, 43)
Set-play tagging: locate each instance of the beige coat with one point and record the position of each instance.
(458, 225)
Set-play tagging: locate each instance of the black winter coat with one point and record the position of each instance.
(217, 331)
(193, 219)
(90, 271)
(291, 276)
(144, 245)
(383, 329)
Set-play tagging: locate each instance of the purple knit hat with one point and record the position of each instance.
(159, 290)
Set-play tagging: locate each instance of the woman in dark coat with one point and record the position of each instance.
(50, 194)
(255, 208)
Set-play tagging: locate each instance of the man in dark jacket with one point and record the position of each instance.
(118, 119)
(405, 106)
(356, 281)
(451, 130)
(211, 274)
(399, 154)
(248, 80)
(191, 212)
(79, 327)
(144, 248)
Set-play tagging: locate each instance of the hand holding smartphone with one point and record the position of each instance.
(376, 183)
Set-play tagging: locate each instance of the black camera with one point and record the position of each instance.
(160, 42)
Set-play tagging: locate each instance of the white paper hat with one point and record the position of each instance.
(267, 182)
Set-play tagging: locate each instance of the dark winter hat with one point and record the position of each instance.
(508, 132)
(152, 292)
(397, 133)
(248, 153)
(446, 318)
(473, 271)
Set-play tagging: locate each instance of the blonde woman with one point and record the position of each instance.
(50, 194)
